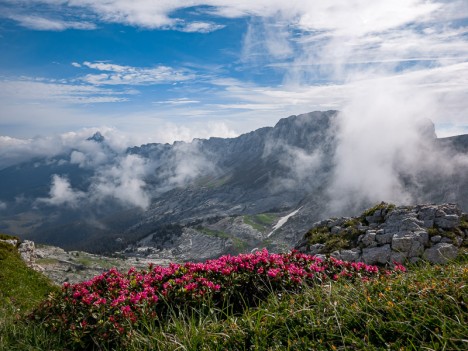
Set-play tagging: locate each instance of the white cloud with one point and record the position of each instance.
(201, 27)
(322, 48)
(180, 101)
(187, 163)
(83, 152)
(122, 180)
(48, 24)
(266, 41)
(62, 194)
(61, 93)
(3, 205)
(117, 75)
(78, 157)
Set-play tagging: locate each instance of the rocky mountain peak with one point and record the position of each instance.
(97, 137)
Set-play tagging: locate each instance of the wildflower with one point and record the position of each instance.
(273, 272)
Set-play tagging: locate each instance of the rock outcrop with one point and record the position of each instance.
(386, 234)
(61, 266)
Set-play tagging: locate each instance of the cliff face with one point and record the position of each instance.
(216, 196)
(386, 234)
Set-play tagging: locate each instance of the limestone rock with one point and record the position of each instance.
(352, 255)
(408, 233)
(384, 238)
(374, 255)
(26, 251)
(441, 253)
(369, 239)
(401, 242)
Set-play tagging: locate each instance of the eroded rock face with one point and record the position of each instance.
(388, 234)
(26, 250)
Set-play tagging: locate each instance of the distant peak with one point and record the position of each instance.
(97, 137)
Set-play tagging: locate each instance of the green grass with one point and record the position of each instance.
(265, 218)
(215, 233)
(91, 261)
(20, 286)
(381, 206)
(239, 244)
(260, 221)
(46, 261)
(424, 309)
(21, 289)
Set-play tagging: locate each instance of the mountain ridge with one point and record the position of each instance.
(270, 172)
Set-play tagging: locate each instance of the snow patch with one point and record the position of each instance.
(282, 221)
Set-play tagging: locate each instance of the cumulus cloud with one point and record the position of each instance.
(384, 64)
(62, 194)
(82, 151)
(122, 180)
(187, 163)
(3, 205)
(115, 175)
(320, 48)
(388, 65)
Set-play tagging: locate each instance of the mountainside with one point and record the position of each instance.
(209, 197)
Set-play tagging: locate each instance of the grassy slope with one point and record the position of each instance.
(425, 308)
(21, 289)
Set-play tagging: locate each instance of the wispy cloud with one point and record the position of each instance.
(179, 101)
(61, 92)
(114, 74)
(50, 24)
(200, 27)
(320, 51)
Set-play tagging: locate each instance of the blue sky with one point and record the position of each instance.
(169, 70)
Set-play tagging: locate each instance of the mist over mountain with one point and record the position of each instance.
(212, 196)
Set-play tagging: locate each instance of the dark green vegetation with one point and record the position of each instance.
(425, 308)
(384, 207)
(345, 239)
(21, 289)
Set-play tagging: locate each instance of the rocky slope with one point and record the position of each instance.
(62, 266)
(210, 197)
(383, 234)
(386, 233)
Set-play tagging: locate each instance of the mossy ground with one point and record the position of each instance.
(345, 239)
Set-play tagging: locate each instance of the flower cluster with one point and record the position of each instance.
(110, 305)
